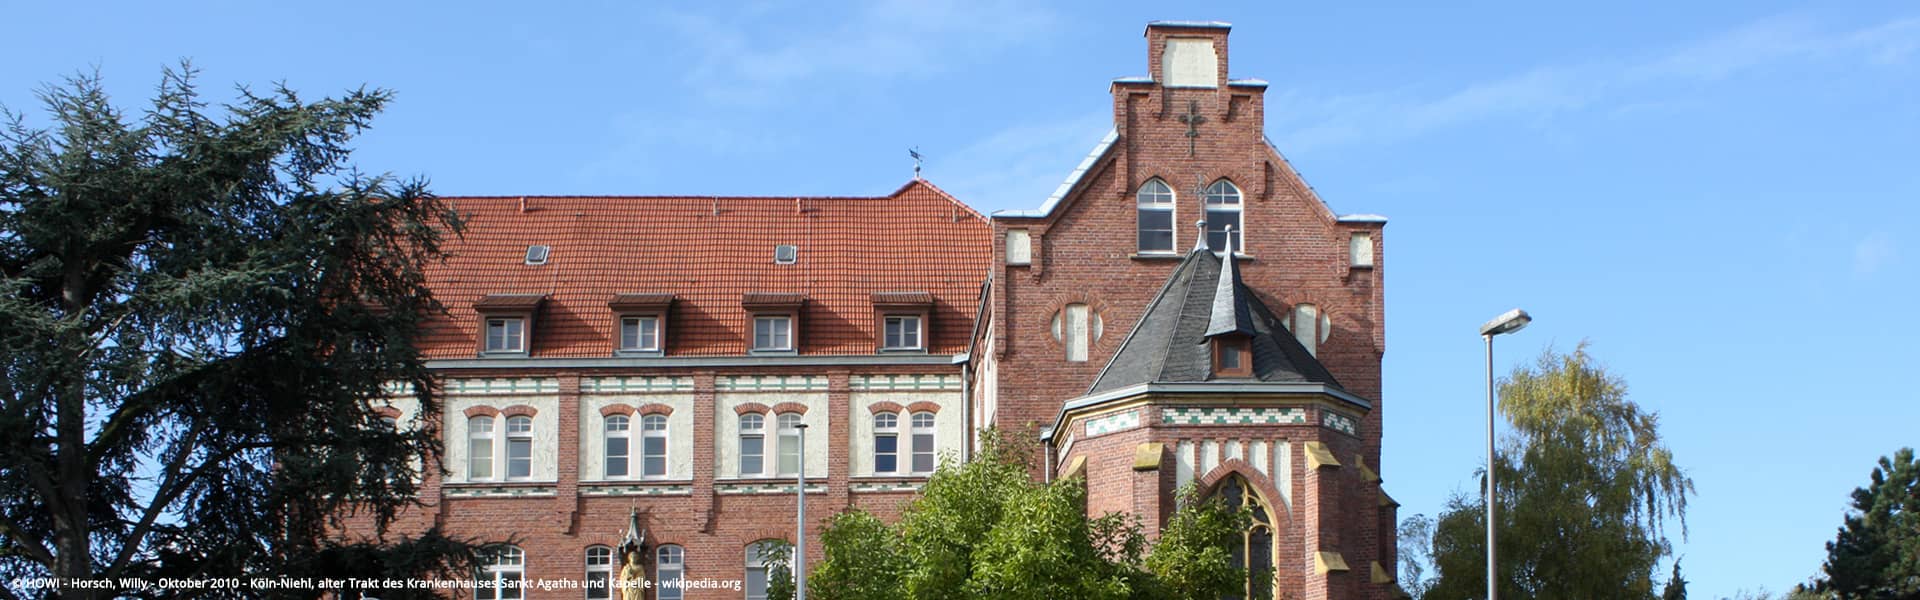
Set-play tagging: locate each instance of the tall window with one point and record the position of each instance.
(499, 573)
(902, 333)
(653, 446)
(506, 335)
(617, 448)
(923, 442)
(480, 448)
(1223, 209)
(753, 444)
(670, 563)
(760, 555)
(640, 334)
(519, 447)
(1310, 325)
(886, 443)
(599, 582)
(1076, 327)
(1155, 201)
(790, 443)
(1253, 552)
(772, 333)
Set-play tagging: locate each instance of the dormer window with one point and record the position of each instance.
(506, 334)
(640, 322)
(773, 321)
(1232, 356)
(1223, 211)
(506, 323)
(900, 320)
(773, 333)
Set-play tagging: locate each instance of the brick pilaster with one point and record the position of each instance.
(703, 449)
(566, 500)
(839, 465)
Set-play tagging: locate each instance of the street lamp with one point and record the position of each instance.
(800, 538)
(1507, 322)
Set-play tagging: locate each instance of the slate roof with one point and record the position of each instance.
(707, 255)
(1169, 344)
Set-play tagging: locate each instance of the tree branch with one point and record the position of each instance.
(165, 497)
(35, 549)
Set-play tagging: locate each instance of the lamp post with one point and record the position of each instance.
(1507, 322)
(800, 537)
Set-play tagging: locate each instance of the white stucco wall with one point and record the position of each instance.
(546, 438)
(949, 427)
(593, 447)
(727, 431)
(409, 408)
(1190, 62)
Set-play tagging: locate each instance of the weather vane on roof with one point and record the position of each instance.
(915, 153)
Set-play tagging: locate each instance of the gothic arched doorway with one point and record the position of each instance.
(1254, 551)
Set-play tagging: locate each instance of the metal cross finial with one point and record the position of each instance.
(1193, 119)
(915, 153)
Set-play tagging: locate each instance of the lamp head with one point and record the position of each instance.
(1507, 322)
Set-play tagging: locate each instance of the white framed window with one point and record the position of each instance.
(618, 448)
(669, 566)
(653, 446)
(773, 333)
(506, 334)
(886, 443)
(519, 447)
(1155, 203)
(789, 443)
(599, 581)
(753, 444)
(501, 570)
(902, 333)
(640, 334)
(760, 556)
(1223, 210)
(1310, 325)
(923, 459)
(480, 448)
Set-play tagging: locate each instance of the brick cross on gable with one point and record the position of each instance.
(1193, 119)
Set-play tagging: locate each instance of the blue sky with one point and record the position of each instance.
(1721, 197)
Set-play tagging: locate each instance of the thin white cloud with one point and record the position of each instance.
(1873, 253)
(1018, 166)
(1307, 122)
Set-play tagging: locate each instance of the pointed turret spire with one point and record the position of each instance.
(1230, 311)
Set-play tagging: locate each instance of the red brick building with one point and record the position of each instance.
(1147, 367)
(656, 355)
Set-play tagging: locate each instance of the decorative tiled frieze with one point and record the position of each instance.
(397, 388)
(1195, 415)
(903, 382)
(771, 383)
(764, 488)
(499, 491)
(606, 489)
(1120, 421)
(1339, 422)
(504, 385)
(890, 486)
(606, 385)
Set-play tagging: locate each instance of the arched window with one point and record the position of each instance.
(1253, 552)
(1155, 202)
(1310, 325)
(480, 448)
(789, 443)
(1223, 209)
(653, 446)
(886, 442)
(753, 444)
(923, 442)
(519, 447)
(617, 447)
(599, 582)
(498, 576)
(761, 557)
(669, 565)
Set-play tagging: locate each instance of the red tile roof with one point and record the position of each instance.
(709, 253)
